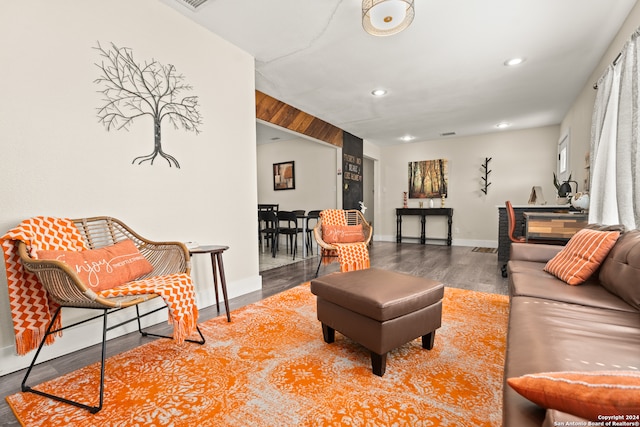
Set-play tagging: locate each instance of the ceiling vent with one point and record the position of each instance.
(447, 133)
(192, 4)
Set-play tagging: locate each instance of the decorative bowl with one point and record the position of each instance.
(580, 201)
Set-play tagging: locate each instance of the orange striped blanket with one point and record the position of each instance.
(32, 308)
(351, 256)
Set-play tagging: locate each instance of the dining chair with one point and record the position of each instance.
(301, 218)
(312, 219)
(288, 226)
(268, 223)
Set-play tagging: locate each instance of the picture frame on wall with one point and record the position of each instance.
(284, 176)
(428, 179)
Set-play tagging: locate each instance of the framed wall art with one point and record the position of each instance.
(284, 176)
(428, 179)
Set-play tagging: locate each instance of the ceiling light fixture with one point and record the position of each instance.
(386, 17)
(503, 125)
(407, 138)
(513, 62)
(379, 92)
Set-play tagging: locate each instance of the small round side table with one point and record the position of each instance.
(218, 268)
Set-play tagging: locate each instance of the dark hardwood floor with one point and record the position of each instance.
(455, 266)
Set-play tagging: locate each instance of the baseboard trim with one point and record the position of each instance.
(454, 242)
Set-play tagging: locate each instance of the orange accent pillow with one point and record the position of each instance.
(590, 395)
(104, 268)
(342, 233)
(582, 255)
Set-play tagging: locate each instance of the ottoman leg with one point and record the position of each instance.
(427, 340)
(378, 363)
(328, 333)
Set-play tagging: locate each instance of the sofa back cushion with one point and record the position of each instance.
(602, 227)
(620, 271)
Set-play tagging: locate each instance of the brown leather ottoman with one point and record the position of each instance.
(379, 309)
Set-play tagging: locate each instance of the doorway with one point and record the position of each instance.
(368, 189)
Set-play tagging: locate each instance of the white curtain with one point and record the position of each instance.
(615, 179)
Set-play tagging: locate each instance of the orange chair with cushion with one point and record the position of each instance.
(92, 263)
(343, 235)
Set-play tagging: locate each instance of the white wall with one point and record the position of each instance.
(58, 160)
(578, 118)
(373, 153)
(368, 189)
(315, 174)
(520, 160)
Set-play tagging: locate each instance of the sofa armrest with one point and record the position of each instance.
(533, 252)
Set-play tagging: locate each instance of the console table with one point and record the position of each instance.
(504, 244)
(552, 226)
(423, 213)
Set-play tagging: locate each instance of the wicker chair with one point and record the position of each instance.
(62, 284)
(353, 217)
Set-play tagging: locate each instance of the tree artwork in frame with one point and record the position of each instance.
(284, 177)
(428, 179)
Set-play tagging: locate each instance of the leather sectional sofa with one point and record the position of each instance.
(554, 327)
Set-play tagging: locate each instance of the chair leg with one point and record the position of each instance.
(319, 264)
(92, 409)
(105, 329)
(148, 334)
(274, 247)
(322, 255)
(294, 238)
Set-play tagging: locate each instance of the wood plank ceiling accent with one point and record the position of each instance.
(277, 112)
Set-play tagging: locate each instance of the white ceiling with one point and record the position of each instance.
(445, 73)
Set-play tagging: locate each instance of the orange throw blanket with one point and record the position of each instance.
(177, 292)
(351, 256)
(31, 307)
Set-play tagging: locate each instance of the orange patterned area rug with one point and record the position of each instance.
(271, 367)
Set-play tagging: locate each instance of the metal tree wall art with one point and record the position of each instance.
(133, 90)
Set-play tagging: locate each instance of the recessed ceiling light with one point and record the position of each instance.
(503, 125)
(407, 138)
(379, 92)
(513, 62)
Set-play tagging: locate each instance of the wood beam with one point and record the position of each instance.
(277, 112)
